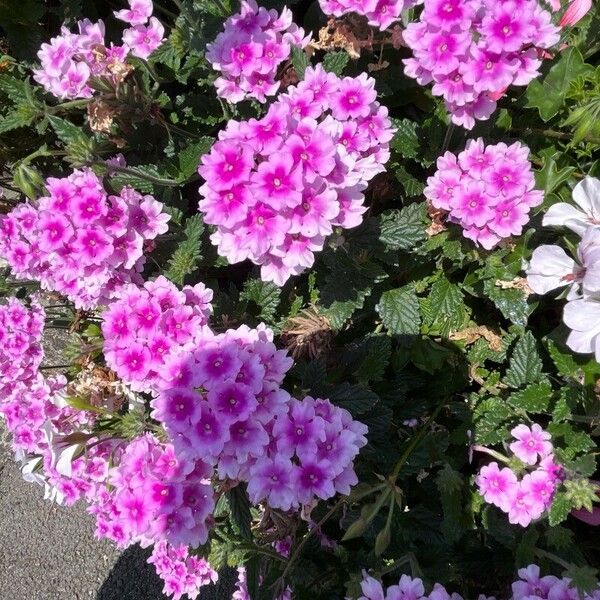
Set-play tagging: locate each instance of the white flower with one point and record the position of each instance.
(586, 194)
(582, 316)
(550, 268)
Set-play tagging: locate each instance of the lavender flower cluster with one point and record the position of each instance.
(380, 13)
(254, 43)
(473, 51)
(488, 190)
(551, 267)
(79, 240)
(276, 187)
(529, 585)
(525, 499)
(71, 59)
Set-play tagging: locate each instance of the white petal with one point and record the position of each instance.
(587, 194)
(566, 215)
(548, 267)
(583, 315)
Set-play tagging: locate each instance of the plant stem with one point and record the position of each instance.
(493, 453)
(51, 110)
(139, 174)
(556, 559)
(45, 368)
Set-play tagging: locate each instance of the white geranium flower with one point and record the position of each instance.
(586, 195)
(582, 316)
(550, 268)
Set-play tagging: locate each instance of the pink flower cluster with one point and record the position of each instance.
(155, 494)
(183, 574)
(149, 331)
(488, 190)
(529, 585)
(70, 59)
(250, 49)
(472, 51)
(80, 241)
(276, 187)
(380, 13)
(551, 267)
(525, 499)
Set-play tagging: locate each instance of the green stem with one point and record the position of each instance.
(556, 559)
(448, 137)
(552, 133)
(51, 110)
(135, 173)
(493, 453)
(414, 443)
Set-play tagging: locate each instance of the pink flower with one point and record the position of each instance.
(497, 485)
(531, 443)
(575, 12)
(143, 40)
(138, 13)
(271, 480)
(354, 97)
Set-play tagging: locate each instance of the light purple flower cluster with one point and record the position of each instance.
(276, 187)
(149, 331)
(183, 574)
(551, 267)
(79, 240)
(529, 585)
(70, 59)
(380, 13)
(155, 494)
(250, 49)
(488, 190)
(473, 50)
(525, 499)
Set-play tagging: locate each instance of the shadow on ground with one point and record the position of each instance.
(132, 578)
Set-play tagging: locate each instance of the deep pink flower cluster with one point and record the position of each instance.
(250, 49)
(155, 494)
(21, 351)
(380, 13)
(473, 50)
(276, 187)
(70, 59)
(488, 190)
(79, 240)
(149, 331)
(182, 574)
(529, 585)
(525, 499)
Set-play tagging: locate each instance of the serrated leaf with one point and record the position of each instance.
(444, 300)
(357, 399)
(525, 365)
(406, 139)
(335, 62)
(186, 257)
(512, 303)
(239, 506)
(584, 578)
(412, 186)
(549, 94)
(300, 61)
(377, 351)
(490, 416)
(403, 229)
(534, 398)
(399, 311)
(560, 509)
(265, 294)
(189, 158)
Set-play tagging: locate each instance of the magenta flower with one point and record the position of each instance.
(497, 485)
(138, 13)
(278, 181)
(314, 478)
(271, 480)
(354, 97)
(143, 40)
(471, 204)
(178, 406)
(233, 402)
(531, 443)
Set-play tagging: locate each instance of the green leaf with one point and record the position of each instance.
(132, 179)
(300, 61)
(584, 578)
(239, 505)
(79, 146)
(412, 186)
(399, 311)
(549, 178)
(525, 364)
(490, 417)
(357, 399)
(560, 509)
(548, 95)
(406, 140)
(335, 62)
(534, 398)
(403, 229)
(186, 257)
(512, 303)
(377, 351)
(443, 301)
(265, 294)
(188, 159)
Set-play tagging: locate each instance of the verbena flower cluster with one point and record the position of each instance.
(79, 240)
(473, 51)
(380, 13)
(153, 495)
(276, 187)
(254, 43)
(551, 267)
(488, 190)
(182, 574)
(150, 330)
(70, 59)
(529, 585)
(527, 498)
